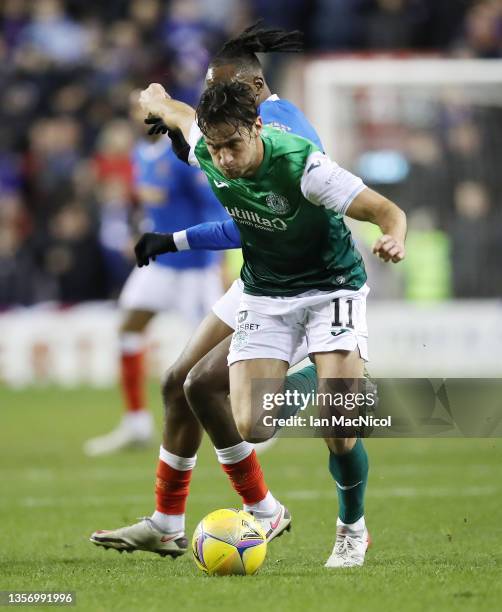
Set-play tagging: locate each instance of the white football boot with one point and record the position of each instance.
(350, 547)
(135, 430)
(144, 535)
(276, 524)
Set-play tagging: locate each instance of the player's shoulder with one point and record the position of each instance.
(281, 113)
(288, 147)
(276, 104)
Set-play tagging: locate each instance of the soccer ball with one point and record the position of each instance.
(229, 542)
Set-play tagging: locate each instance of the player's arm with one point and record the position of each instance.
(176, 115)
(325, 183)
(211, 236)
(375, 208)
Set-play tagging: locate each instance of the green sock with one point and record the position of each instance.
(350, 472)
(304, 381)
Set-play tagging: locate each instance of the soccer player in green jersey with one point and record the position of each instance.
(302, 274)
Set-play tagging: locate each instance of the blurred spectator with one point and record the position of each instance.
(112, 160)
(190, 40)
(483, 30)
(51, 163)
(395, 24)
(336, 25)
(427, 267)
(14, 20)
(52, 37)
(476, 239)
(115, 235)
(427, 183)
(73, 255)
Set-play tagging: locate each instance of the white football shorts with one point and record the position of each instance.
(315, 321)
(157, 288)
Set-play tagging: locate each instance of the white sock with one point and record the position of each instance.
(357, 526)
(266, 507)
(234, 454)
(177, 463)
(131, 343)
(171, 523)
(139, 419)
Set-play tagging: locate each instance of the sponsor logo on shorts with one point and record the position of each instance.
(248, 326)
(242, 316)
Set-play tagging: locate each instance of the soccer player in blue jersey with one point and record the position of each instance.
(172, 196)
(202, 368)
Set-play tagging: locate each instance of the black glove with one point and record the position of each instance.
(152, 244)
(158, 126)
(181, 147)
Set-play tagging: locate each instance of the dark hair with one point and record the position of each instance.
(241, 50)
(232, 103)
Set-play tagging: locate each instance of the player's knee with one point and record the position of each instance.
(248, 430)
(172, 384)
(197, 387)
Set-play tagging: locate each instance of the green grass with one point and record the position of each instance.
(433, 508)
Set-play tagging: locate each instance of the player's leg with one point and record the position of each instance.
(207, 388)
(136, 427)
(348, 465)
(341, 356)
(239, 461)
(182, 433)
(164, 531)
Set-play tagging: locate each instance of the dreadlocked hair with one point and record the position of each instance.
(256, 39)
(231, 102)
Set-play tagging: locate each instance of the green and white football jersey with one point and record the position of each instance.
(289, 217)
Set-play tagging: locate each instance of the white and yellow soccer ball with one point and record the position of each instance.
(229, 542)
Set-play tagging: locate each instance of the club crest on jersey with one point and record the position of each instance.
(278, 203)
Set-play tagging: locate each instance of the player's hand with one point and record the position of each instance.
(158, 126)
(152, 244)
(389, 249)
(152, 100)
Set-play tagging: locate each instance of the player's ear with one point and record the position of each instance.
(258, 125)
(258, 83)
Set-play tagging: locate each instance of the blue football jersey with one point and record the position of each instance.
(286, 116)
(174, 196)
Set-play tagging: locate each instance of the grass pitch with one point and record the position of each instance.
(433, 508)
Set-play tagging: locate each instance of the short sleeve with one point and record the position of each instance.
(325, 183)
(193, 138)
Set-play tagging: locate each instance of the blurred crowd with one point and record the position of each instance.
(68, 217)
